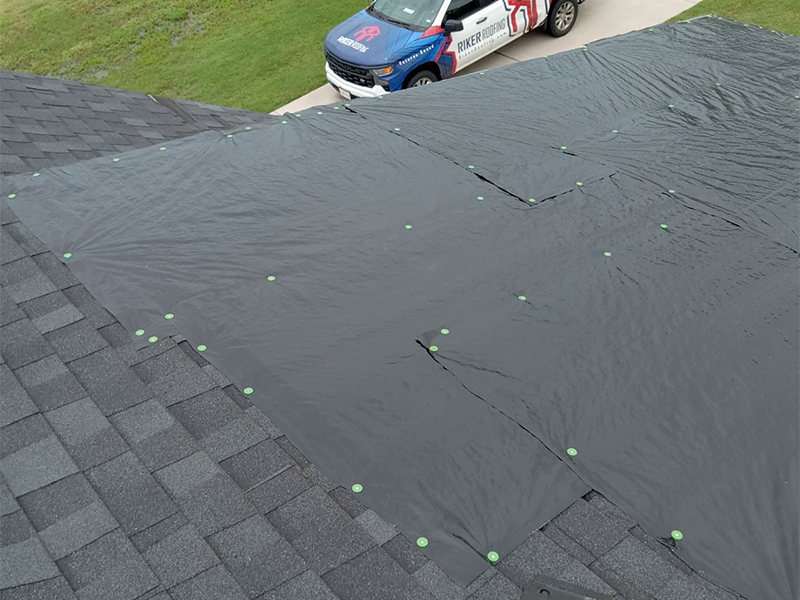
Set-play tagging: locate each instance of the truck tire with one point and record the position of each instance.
(562, 17)
(421, 78)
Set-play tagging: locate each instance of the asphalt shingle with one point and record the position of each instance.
(405, 553)
(308, 586)
(22, 556)
(173, 376)
(320, 530)
(25, 238)
(49, 383)
(277, 491)
(68, 515)
(9, 311)
(213, 584)
(131, 493)
(159, 531)
(55, 270)
(109, 568)
(110, 382)
(180, 556)
(373, 575)
(31, 455)
(51, 312)
(218, 424)
(23, 280)
(50, 589)
(208, 497)
(539, 555)
(154, 434)
(348, 501)
(257, 464)
(16, 403)
(22, 344)
(76, 340)
(380, 530)
(256, 555)
(91, 308)
(87, 434)
(645, 571)
(498, 588)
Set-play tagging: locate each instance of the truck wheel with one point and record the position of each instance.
(422, 78)
(562, 17)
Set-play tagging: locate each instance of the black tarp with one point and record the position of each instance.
(667, 356)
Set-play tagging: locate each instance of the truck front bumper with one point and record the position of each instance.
(351, 90)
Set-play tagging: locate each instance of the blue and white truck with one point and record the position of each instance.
(396, 44)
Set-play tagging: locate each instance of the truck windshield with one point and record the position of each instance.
(407, 13)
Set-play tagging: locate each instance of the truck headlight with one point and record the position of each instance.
(382, 71)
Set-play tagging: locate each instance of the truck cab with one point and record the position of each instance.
(396, 44)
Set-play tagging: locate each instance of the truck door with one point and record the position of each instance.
(485, 23)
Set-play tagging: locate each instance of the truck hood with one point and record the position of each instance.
(366, 40)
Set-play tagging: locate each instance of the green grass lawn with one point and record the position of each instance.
(254, 54)
(783, 15)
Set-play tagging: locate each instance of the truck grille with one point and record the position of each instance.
(349, 72)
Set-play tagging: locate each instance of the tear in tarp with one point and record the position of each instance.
(667, 357)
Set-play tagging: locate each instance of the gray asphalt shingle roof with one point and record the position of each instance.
(144, 474)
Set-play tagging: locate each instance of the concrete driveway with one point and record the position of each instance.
(597, 19)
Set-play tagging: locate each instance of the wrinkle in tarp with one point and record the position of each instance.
(436, 293)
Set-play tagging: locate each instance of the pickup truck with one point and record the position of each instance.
(396, 44)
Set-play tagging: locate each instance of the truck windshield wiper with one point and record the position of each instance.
(372, 10)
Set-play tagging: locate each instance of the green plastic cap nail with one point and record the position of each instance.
(614, 131)
(492, 557)
(162, 148)
(248, 128)
(336, 108)
(676, 535)
(445, 332)
(663, 226)
(247, 391)
(230, 135)
(202, 348)
(480, 197)
(572, 452)
(409, 226)
(37, 174)
(422, 542)
(523, 298)
(153, 339)
(12, 196)
(397, 129)
(670, 191)
(563, 147)
(298, 115)
(357, 488)
(271, 278)
(470, 167)
(284, 122)
(671, 106)
(347, 104)
(67, 254)
(140, 332)
(169, 316)
(606, 254)
(112, 160)
(434, 348)
(532, 200)
(579, 183)
(319, 112)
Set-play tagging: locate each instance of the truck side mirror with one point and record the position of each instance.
(452, 25)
